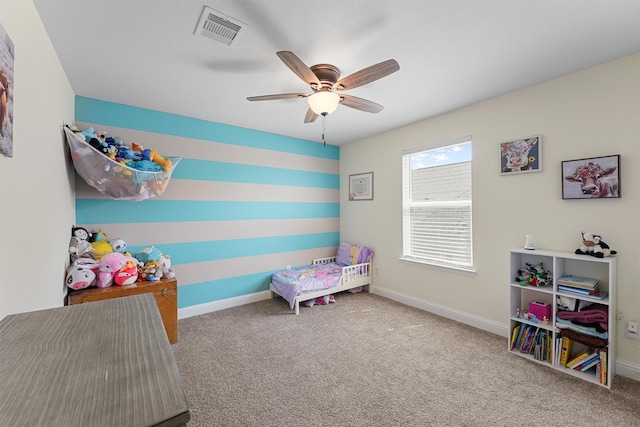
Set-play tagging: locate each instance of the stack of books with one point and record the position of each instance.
(528, 339)
(584, 361)
(591, 360)
(583, 286)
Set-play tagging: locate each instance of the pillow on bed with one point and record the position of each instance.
(349, 254)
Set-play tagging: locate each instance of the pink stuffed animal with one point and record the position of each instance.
(108, 266)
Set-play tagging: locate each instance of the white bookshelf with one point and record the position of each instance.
(560, 263)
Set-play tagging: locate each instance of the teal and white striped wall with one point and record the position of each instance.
(240, 205)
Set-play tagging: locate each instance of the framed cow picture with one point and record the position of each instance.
(592, 178)
(521, 155)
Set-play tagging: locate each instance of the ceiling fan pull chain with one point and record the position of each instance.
(324, 142)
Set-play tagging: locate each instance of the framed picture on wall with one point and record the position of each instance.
(592, 178)
(521, 155)
(6, 93)
(361, 186)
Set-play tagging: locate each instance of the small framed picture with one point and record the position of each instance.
(361, 186)
(521, 155)
(592, 178)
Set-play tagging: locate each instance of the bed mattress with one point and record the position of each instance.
(291, 283)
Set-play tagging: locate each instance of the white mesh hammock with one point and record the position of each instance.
(112, 178)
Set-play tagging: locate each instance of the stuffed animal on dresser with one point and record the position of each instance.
(81, 274)
(79, 245)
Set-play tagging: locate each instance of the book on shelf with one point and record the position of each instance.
(515, 335)
(565, 350)
(598, 294)
(576, 360)
(588, 365)
(603, 367)
(587, 361)
(521, 333)
(557, 352)
(577, 281)
(526, 346)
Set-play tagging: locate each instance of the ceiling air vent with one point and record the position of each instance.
(220, 27)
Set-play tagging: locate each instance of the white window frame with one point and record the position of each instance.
(464, 262)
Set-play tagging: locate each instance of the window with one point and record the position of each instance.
(436, 205)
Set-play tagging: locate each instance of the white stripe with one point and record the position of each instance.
(180, 189)
(185, 189)
(160, 233)
(233, 267)
(177, 146)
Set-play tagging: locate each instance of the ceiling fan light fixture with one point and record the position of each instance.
(324, 102)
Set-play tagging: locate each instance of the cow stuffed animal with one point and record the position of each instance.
(593, 245)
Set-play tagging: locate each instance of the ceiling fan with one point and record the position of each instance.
(325, 82)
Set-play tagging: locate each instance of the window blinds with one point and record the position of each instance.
(437, 212)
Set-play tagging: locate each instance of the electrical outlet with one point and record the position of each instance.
(288, 267)
(632, 330)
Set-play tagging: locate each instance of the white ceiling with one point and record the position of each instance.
(452, 53)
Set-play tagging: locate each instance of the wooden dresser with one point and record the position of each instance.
(108, 363)
(165, 292)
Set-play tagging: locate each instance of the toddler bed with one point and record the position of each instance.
(349, 269)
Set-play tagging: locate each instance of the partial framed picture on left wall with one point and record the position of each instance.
(6, 93)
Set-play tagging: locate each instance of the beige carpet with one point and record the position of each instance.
(369, 361)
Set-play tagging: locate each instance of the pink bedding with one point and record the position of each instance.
(291, 283)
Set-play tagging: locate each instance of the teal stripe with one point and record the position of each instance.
(201, 293)
(107, 211)
(191, 252)
(125, 116)
(205, 170)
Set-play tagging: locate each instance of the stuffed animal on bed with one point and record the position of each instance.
(593, 245)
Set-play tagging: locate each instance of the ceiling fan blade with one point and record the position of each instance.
(368, 75)
(360, 104)
(310, 117)
(298, 67)
(277, 96)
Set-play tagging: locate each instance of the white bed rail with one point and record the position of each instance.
(353, 276)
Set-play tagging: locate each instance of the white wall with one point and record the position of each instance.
(595, 112)
(37, 207)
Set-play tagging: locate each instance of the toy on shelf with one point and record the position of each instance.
(117, 170)
(593, 245)
(533, 275)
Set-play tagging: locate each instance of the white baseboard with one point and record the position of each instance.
(209, 307)
(449, 313)
(628, 369)
(623, 367)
